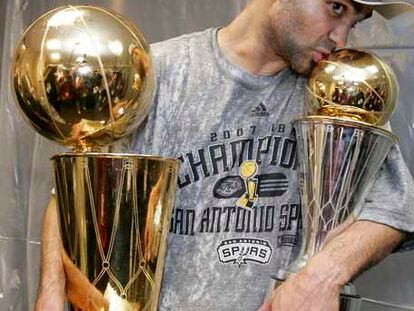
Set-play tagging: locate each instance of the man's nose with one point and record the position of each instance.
(339, 35)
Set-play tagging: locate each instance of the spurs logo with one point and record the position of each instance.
(241, 251)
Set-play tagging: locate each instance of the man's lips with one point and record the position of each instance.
(318, 55)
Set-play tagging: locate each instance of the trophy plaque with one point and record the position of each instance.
(83, 76)
(341, 146)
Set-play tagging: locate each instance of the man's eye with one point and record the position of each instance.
(338, 8)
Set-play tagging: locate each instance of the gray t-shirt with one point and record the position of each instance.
(213, 116)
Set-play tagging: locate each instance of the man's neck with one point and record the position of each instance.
(244, 43)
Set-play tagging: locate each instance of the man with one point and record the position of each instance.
(224, 104)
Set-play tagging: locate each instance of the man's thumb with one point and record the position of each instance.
(266, 306)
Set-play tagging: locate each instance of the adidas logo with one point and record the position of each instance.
(259, 111)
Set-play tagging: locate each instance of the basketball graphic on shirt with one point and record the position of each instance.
(248, 169)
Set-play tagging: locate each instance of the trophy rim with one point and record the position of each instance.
(114, 156)
(348, 122)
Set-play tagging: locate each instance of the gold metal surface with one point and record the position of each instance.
(83, 76)
(353, 84)
(248, 170)
(114, 214)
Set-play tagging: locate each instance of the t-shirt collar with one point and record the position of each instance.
(240, 74)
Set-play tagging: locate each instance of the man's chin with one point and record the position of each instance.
(304, 69)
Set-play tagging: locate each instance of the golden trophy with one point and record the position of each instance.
(248, 170)
(83, 77)
(341, 146)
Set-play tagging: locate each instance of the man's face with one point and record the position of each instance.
(304, 32)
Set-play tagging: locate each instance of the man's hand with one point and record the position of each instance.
(317, 286)
(80, 291)
(303, 293)
(59, 273)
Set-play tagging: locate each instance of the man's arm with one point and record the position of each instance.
(51, 295)
(318, 285)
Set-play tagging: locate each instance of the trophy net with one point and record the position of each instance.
(338, 163)
(114, 215)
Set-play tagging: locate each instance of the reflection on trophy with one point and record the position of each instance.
(248, 170)
(341, 145)
(83, 77)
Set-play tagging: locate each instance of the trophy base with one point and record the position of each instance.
(348, 299)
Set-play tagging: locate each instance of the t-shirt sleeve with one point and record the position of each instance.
(390, 201)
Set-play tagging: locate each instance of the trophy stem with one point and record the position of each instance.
(339, 160)
(114, 214)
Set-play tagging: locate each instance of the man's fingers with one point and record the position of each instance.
(80, 291)
(58, 272)
(266, 306)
